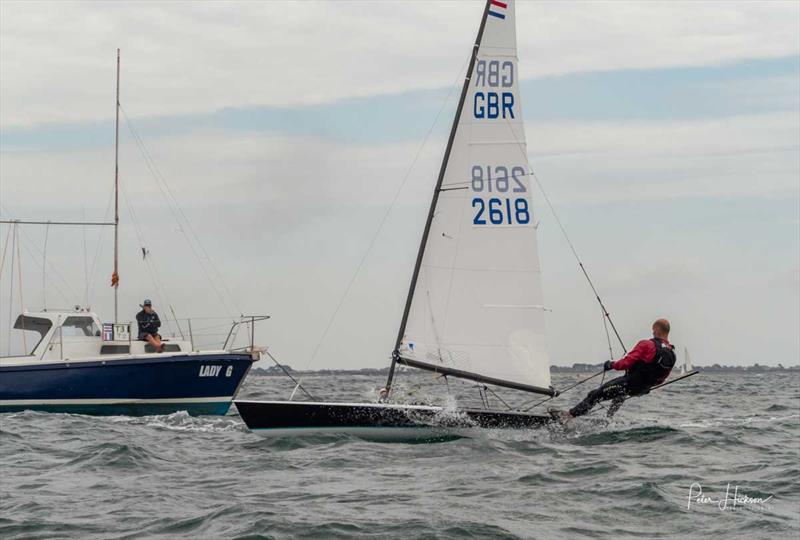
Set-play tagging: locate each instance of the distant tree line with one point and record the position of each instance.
(714, 367)
(577, 367)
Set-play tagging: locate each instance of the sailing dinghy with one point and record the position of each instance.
(687, 362)
(474, 308)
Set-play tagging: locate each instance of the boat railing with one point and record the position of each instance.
(204, 333)
(248, 322)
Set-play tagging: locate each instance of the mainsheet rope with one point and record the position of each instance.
(184, 225)
(545, 400)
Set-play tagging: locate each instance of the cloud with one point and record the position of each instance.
(285, 220)
(57, 59)
(737, 156)
(696, 220)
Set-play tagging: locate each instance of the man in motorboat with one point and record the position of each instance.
(149, 323)
(648, 364)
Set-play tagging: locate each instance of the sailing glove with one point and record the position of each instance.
(607, 366)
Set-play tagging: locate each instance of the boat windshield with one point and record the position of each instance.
(79, 326)
(33, 330)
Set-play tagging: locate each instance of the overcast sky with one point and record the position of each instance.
(666, 134)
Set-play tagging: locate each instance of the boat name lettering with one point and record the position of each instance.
(209, 371)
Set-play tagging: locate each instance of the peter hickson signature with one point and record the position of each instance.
(733, 499)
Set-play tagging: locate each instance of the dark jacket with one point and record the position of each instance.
(149, 323)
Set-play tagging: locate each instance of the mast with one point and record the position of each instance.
(401, 332)
(115, 275)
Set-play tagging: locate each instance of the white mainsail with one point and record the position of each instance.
(687, 361)
(476, 306)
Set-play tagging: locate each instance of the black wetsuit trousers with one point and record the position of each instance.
(616, 390)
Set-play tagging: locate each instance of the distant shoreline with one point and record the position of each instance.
(575, 368)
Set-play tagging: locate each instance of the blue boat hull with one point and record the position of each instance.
(199, 384)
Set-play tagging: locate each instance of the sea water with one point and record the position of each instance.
(714, 456)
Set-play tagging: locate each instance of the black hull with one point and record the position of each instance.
(280, 418)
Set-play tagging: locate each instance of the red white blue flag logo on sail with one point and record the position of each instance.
(497, 9)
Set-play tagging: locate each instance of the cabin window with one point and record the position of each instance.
(115, 349)
(168, 347)
(79, 326)
(33, 330)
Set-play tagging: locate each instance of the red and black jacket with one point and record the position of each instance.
(649, 363)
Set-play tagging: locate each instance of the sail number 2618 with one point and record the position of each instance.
(500, 196)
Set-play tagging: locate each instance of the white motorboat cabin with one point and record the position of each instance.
(63, 335)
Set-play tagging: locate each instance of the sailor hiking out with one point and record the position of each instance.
(648, 364)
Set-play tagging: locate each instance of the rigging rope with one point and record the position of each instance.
(381, 224)
(53, 269)
(65, 296)
(149, 263)
(11, 287)
(561, 392)
(3, 258)
(183, 222)
(285, 371)
(602, 379)
(608, 339)
(2, 265)
(487, 388)
(606, 314)
(21, 301)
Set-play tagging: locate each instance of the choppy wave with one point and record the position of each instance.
(181, 421)
(178, 476)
